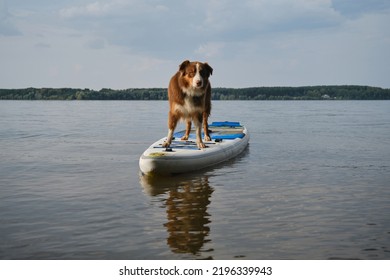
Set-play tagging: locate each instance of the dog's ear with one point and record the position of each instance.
(208, 67)
(183, 65)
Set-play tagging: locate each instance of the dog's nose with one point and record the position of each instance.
(198, 83)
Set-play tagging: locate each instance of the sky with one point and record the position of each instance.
(123, 44)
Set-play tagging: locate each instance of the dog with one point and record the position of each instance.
(189, 94)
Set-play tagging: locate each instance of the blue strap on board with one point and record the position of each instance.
(229, 124)
(228, 136)
(216, 136)
(213, 136)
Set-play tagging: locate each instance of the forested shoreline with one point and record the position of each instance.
(348, 92)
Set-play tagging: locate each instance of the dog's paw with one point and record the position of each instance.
(201, 145)
(185, 137)
(166, 144)
(207, 138)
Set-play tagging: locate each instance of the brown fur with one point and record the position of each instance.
(189, 94)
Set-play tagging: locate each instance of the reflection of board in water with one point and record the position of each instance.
(186, 207)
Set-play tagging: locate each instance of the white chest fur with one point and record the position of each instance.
(189, 107)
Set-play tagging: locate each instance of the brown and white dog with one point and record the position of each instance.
(189, 94)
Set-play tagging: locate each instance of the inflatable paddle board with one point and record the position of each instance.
(228, 140)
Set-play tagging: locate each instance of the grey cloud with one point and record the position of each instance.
(141, 26)
(7, 27)
(355, 8)
(271, 42)
(42, 45)
(170, 29)
(96, 44)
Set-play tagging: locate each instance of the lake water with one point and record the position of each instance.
(314, 183)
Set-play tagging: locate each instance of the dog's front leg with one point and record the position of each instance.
(188, 129)
(206, 127)
(198, 131)
(168, 142)
(172, 122)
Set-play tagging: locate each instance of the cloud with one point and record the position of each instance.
(42, 45)
(123, 43)
(95, 9)
(148, 27)
(210, 49)
(248, 19)
(141, 26)
(7, 27)
(96, 43)
(353, 53)
(356, 8)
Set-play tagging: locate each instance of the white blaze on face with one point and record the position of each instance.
(197, 81)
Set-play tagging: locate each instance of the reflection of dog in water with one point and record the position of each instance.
(186, 207)
(188, 218)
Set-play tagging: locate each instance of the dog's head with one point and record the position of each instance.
(195, 74)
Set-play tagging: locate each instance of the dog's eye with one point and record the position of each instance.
(191, 74)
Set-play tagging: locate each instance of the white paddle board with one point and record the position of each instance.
(228, 140)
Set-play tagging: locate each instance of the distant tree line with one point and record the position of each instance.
(253, 93)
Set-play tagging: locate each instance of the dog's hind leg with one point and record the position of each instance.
(188, 130)
(206, 127)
